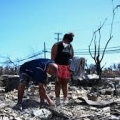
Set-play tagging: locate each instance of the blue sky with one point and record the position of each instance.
(26, 24)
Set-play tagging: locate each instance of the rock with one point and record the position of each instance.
(5, 118)
(42, 113)
(3, 105)
(93, 97)
(10, 82)
(109, 92)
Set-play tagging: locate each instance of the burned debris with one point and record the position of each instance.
(86, 101)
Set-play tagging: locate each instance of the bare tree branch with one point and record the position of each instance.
(111, 29)
(96, 56)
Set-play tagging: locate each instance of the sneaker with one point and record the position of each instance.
(57, 101)
(65, 101)
(18, 106)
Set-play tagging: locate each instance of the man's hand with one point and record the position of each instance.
(43, 94)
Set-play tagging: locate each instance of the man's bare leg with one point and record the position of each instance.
(21, 89)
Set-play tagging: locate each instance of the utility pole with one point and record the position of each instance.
(44, 50)
(58, 36)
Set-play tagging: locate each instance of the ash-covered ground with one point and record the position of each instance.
(99, 101)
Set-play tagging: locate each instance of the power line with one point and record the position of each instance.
(26, 58)
(80, 52)
(112, 51)
(91, 49)
(29, 57)
(100, 48)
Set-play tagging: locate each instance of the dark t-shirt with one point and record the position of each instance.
(63, 54)
(36, 69)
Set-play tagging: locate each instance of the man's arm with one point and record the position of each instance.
(43, 93)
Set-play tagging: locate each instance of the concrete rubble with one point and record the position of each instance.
(96, 102)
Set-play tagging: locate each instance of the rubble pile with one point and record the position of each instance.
(97, 102)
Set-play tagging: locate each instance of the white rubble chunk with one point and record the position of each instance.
(5, 118)
(42, 113)
(93, 76)
(2, 105)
